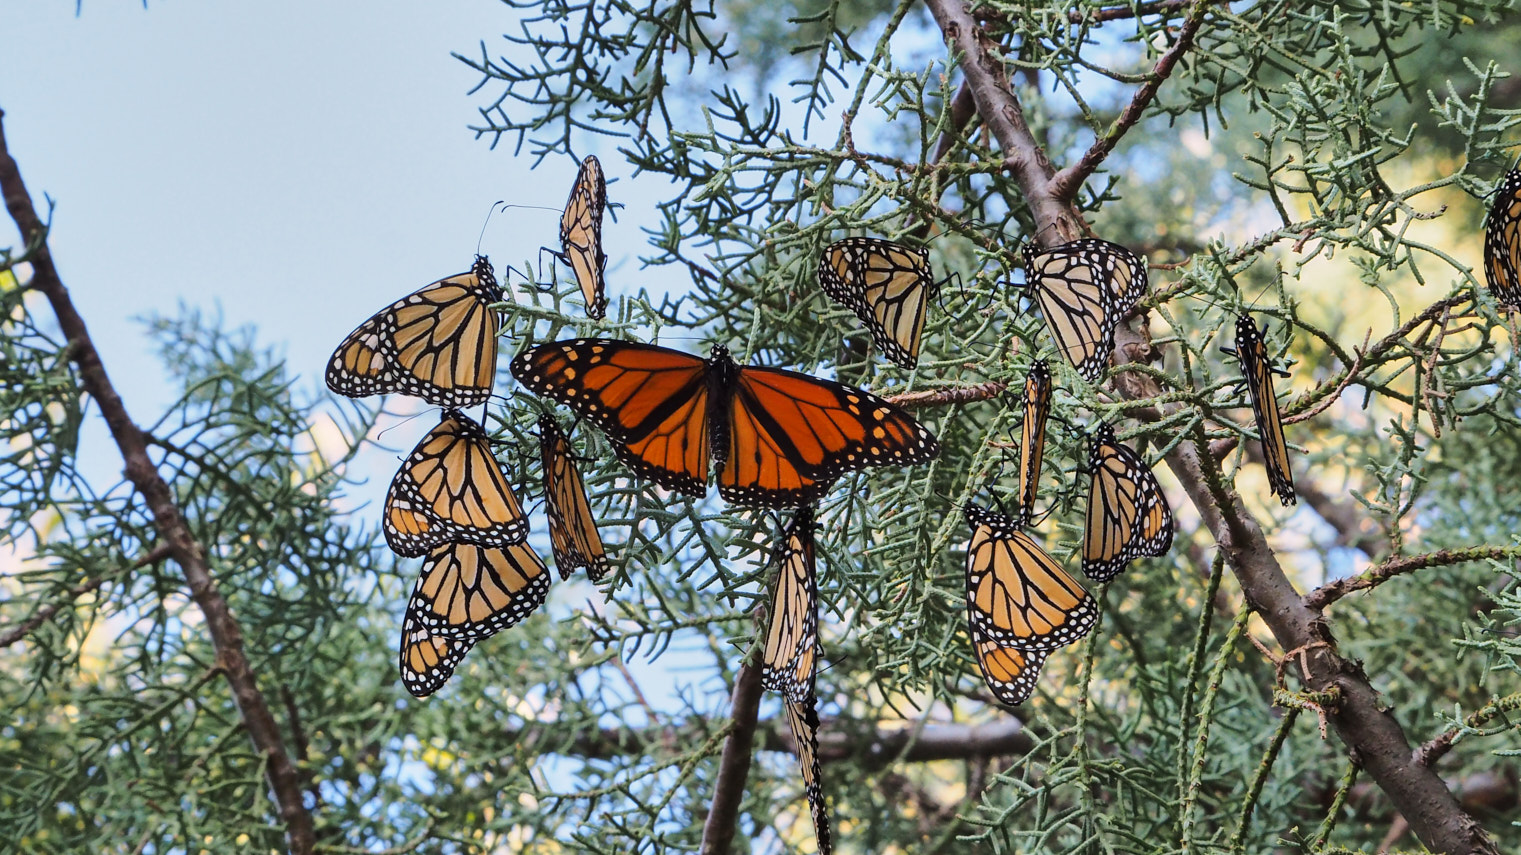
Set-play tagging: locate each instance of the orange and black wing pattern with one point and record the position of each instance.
(781, 437)
(1502, 243)
(790, 658)
(888, 286)
(427, 658)
(1083, 288)
(803, 718)
(572, 528)
(466, 593)
(1128, 517)
(1032, 446)
(651, 401)
(581, 235)
(1016, 593)
(451, 489)
(438, 344)
(1258, 368)
(788, 436)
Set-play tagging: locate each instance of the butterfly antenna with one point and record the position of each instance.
(482, 236)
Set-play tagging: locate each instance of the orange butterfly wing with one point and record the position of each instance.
(651, 401)
(791, 435)
(572, 528)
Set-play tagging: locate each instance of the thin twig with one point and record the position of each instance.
(44, 614)
(226, 633)
(1070, 180)
(946, 397)
(1329, 593)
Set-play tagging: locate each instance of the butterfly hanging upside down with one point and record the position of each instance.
(1084, 287)
(779, 438)
(1021, 605)
(1502, 243)
(888, 286)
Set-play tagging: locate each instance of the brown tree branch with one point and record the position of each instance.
(1329, 593)
(945, 397)
(226, 634)
(1071, 179)
(734, 765)
(872, 749)
(1361, 720)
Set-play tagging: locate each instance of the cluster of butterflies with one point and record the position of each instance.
(777, 439)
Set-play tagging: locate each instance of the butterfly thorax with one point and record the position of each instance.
(723, 378)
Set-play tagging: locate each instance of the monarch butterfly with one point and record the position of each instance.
(1252, 352)
(1016, 594)
(779, 438)
(438, 344)
(465, 593)
(888, 286)
(1083, 288)
(1032, 446)
(581, 235)
(572, 529)
(450, 489)
(792, 642)
(1128, 516)
(803, 718)
(1502, 243)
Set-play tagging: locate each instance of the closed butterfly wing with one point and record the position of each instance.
(1258, 368)
(465, 593)
(788, 436)
(803, 718)
(1037, 402)
(1128, 516)
(451, 489)
(572, 528)
(1016, 594)
(790, 658)
(581, 235)
(1083, 288)
(427, 659)
(438, 344)
(1502, 242)
(1009, 672)
(473, 592)
(888, 286)
(651, 401)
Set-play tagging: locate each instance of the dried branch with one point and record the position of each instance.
(1070, 180)
(946, 397)
(226, 633)
(734, 765)
(1327, 594)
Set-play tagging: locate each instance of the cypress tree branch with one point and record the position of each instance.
(1329, 593)
(999, 107)
(1370, 733)
(44, 614)
(226, 633)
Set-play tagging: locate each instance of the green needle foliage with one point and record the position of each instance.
(1322, 166)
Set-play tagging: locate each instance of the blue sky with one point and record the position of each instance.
(299, 165)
